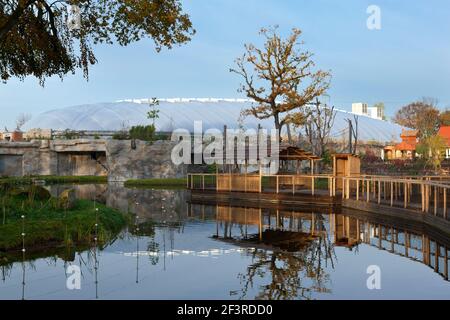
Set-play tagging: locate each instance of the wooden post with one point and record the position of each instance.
(348, 189)
(276, 181)
(293, 185)
(357, 189)
(203, 182)
(374, 188)
(444, 213)
(422, 197)
(368, 191)
(435, 200)
(312, 185)
(379, 191)
(405, 195)
(330, 186)
(392, 193)
(333, 182)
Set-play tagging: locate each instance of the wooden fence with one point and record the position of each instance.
(421, 194)
(293, 184)
(426, 195)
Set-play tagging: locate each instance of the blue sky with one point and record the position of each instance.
(405, 60)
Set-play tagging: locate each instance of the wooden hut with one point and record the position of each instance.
(294, 155)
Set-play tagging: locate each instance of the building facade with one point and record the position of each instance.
(405, 149)
(363, 109)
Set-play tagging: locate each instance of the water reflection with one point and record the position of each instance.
(266, 253)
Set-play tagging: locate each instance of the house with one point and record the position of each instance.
(444, 132)
(13, 136)
(405, 149)
(363, 109)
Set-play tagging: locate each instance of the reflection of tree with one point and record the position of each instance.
(293, 275)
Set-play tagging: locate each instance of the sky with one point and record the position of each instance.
(408, 58)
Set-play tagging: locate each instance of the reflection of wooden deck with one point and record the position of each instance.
(291, 231)
(423, 199)
(282, 199)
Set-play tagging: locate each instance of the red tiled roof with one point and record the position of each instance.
(403, 146)
(409, 133)
(444, 132)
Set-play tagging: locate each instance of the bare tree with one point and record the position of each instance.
(279, 77)
(21, 120)
(318, 124)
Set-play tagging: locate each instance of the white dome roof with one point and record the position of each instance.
(181, 113)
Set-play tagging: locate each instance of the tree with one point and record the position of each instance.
(21, 120)
(153, 114)
(444, 118)
(280, 77)
(144, 133)
(421, 115)
(37, 37)
(318, 124)
(431, 149)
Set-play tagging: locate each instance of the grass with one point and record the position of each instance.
(157, 183)
(53, 179)
(48, 224)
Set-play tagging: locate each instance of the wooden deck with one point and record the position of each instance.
(423, 199)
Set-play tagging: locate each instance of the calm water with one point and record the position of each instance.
(194, 251)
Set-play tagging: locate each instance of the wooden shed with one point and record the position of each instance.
(345, 165)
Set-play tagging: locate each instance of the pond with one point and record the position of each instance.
(173, 249)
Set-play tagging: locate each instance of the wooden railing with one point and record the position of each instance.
(421, 194)
(425, 195)
(293, 184)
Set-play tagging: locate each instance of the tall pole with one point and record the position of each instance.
(350, 136)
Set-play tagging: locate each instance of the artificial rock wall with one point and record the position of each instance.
(53, 157)
(120, 160)
(141, 160)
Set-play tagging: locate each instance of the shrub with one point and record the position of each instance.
(144, 133)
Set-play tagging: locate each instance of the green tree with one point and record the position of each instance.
(144, 133)
(41, 38)
(279, 77)
(432, 150)
(153, 114)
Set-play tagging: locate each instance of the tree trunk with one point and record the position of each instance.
(278, 125)
(13, 19)
(289, 133)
